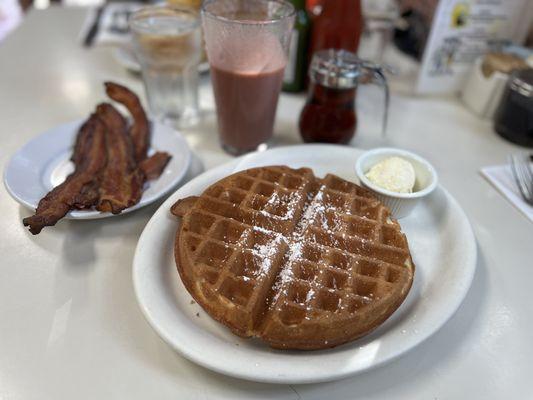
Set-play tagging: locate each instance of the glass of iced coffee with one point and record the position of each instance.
(247, 43)
(167, 42)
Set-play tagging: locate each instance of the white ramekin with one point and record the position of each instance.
(400, 204)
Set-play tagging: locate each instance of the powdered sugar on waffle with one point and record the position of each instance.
(265, 252)
(314, 208)
(275, 200)
(318, 211)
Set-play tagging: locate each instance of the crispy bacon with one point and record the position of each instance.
(121, 184)
(153, 166)
(79, 189)
(140, 129)
(110, 162)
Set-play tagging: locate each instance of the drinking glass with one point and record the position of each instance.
(167, 41)
(247, 43)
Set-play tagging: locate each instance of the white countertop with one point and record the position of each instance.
(70, 327)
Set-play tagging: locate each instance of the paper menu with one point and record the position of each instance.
(462, 31)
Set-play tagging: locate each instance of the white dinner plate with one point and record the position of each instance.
(125, 57)
(442, 245)
(44, 163)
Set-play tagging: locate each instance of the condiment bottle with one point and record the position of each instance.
(296, 69)
(338, 26)
(329, 114)
(514, 116)
(314, 7)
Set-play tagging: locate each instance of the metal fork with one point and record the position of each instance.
(523, 176)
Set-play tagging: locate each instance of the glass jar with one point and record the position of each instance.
(514, 116)
(329, 115)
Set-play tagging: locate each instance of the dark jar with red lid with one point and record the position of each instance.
(329, 115)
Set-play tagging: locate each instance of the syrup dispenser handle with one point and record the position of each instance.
(375, 73)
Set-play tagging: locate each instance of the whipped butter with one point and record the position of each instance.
(394, 174)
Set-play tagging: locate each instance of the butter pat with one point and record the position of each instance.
(394, 174)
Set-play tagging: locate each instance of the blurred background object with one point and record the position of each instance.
(10, 16)
(336, 25)
(295, 74)
(433, 44)
(108, 24)
(411, 33)
(380, 19)
(486, 81)
(514, 117)
(461, 32)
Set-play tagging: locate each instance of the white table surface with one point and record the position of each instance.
(70, 327)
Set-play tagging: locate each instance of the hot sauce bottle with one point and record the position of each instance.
(338, 25)
(329, 115)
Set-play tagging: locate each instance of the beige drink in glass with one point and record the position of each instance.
(196, 4)
(167, 42)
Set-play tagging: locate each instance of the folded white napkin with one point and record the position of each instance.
(501, 177)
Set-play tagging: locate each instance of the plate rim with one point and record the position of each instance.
(92, 215)
(255, 376)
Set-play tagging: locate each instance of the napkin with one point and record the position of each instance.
(501, 177)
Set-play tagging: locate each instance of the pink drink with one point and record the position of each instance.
(246, 106)
(247, 54)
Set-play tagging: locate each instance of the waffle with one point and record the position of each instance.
(298, 261)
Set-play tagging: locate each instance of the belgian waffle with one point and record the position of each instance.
(298, 261)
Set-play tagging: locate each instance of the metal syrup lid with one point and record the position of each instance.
(341, 69)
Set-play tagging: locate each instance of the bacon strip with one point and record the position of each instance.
(79, 190)
(121, 184)
(140, 129)
(153, 166)
(110, 160)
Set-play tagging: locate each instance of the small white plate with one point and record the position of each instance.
(125, 57)
(442, 245)
(44, 163)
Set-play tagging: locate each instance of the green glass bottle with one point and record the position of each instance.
(296, 69)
